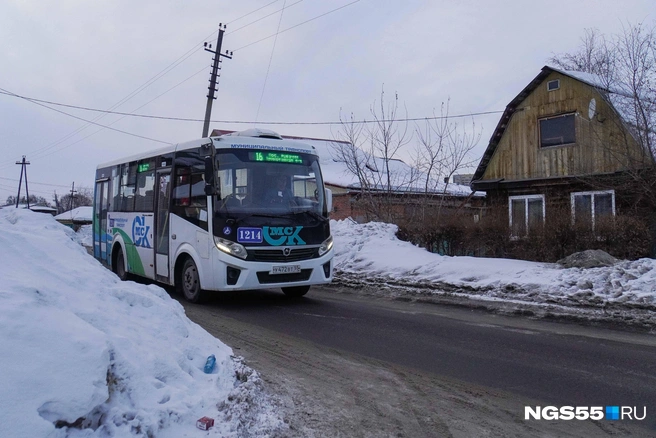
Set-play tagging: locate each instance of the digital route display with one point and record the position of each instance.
(276, 157)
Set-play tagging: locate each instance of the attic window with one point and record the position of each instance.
(553, 85)
(556, 131)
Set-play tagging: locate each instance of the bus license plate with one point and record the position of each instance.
(285, 269)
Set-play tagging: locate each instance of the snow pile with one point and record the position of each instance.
(84, 236)
(630, 282)
(84, 354)
(371, 254)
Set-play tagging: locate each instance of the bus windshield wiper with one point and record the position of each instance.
(312, 213)
(248, 216)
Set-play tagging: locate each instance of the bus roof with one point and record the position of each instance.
(240, 140)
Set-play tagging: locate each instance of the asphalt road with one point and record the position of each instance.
(547, 363)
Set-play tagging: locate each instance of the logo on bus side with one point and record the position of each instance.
(277, 236)
(140, 232)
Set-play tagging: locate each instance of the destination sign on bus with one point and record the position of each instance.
(276, 157)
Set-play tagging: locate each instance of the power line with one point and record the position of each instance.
(252, 12)
(297, 25)
(266, 16)
(49, 102)
(138, 90)
(185, 119)
(12, 189)
(37, 183)
(178, 61)
(41, 154)
(365, 122)
(152, 80)
(257, 115)
(85, 120)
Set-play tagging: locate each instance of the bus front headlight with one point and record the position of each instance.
(326, 246)
(230, 247)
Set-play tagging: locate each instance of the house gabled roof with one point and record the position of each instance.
(587, 78)
(79, 214)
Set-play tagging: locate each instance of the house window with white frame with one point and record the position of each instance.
(589, 208)
(526, 213)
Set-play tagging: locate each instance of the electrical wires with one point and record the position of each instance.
(296, 25)
(247, 122)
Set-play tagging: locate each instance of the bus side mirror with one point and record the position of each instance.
(209, 176)
(329, 199)
(207, 152)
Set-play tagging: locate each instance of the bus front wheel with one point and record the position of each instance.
(189, 284)
(295, 291)
(119, 265)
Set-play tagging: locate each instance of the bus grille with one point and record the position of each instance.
(266, 278)
(277, 256)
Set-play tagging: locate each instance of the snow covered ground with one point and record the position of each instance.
(85, 355)
(369, 256)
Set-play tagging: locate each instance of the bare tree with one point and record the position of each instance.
(349, 152)
(626, 67)
(83, 197)
(388, 136)
(358, 163)
(371, 153)
(596, 55)
(34, 200)
(389, 189)
(444, 147)
(636, 66)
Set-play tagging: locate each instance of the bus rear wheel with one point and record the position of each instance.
(189, 284)
(119, 265)
(295, 291)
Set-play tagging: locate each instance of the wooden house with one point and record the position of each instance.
(564, 145)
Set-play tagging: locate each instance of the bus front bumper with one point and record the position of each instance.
(232, 273)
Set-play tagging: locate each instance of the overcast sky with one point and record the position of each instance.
(94, 54)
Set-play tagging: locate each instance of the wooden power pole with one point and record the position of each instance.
(23, 164)
(213, 78)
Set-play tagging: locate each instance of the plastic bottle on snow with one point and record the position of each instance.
(209, 365)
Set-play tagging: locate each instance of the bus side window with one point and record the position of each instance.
(128, 181)
(189, 199)
(145, 179)
(198, 196)
(181, 188)
(145, 199)
(115, 204)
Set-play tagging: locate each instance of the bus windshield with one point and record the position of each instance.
(253, 182)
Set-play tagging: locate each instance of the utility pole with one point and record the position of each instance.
(23, 164)
(57, 202)
(213, 78)
(71, 202)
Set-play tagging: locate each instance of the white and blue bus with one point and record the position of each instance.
(236, 212)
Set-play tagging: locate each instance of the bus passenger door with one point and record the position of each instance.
(100, 221)
(163, 187)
